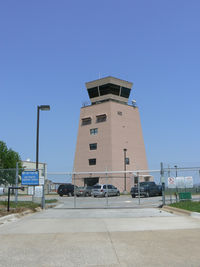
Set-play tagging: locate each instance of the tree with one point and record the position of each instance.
(8, 160)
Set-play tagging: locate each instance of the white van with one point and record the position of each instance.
(103, 190)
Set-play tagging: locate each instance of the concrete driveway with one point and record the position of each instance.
(101, 237)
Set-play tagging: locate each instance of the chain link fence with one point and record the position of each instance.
(181, 189)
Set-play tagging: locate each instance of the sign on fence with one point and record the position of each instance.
(31, 190)
(171, 182)
(38, 191)
(30, 178)
(180, 182)
(189, 182)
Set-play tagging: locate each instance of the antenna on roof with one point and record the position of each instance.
(134, 103)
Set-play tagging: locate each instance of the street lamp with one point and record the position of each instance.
(42, 107)
(125, 169)
(175, 166)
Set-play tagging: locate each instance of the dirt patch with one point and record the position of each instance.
(18, 210)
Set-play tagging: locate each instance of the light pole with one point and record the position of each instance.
(125, 169)
(43, 107)
(175, 166)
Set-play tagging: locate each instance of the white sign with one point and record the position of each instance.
(189, 182)
(38, 191)
(171, 182)
(41, 180)
(30, 190)
(180, 182)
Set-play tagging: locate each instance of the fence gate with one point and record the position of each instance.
(106, 189)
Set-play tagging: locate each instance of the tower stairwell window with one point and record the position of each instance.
(101, 118)
(86, 121)
(94, 131)
(92, 161)
(93, 146)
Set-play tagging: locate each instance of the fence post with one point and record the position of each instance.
(16, 182)
(106, 188)
(74, 191)
(199, 180)
(163, 182)
(138, 175)
(170, 188)
(43, 187)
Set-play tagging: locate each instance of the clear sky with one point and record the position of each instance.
(49, 49)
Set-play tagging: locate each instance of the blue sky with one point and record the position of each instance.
(49, 49)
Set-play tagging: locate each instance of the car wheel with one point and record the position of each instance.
(118, 193)
(106, 195)
(86, 195)
(133, 196)
(147, 194)
(61, 195)
(69, 194)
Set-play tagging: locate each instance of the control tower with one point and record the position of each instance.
(109, 135)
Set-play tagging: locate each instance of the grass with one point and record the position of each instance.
(20, 204)
(187, 205)
(51, 200)
(17, 208)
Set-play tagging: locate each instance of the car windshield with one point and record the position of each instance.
(97, 187)
(144, 183)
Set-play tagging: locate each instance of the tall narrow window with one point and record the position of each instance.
(127, 161)
(101, 118)
(94, 131)
(92, 161)
(93, 146)
(86, 121)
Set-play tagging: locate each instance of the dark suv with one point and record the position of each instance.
(66, 189)
(146, 189)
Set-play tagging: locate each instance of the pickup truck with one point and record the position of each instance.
(146, 189)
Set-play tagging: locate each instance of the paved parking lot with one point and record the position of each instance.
(123, 201)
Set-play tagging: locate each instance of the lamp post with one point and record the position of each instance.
(125, 170)
(175, 166)
(43, 107)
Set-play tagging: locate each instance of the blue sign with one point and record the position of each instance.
(30, 178)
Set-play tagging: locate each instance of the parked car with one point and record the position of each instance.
(103, 190)
(146, 189)
(2, 191)
(66, 189)
(84, 191)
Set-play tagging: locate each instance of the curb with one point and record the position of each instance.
(180, 211)
(15, 216)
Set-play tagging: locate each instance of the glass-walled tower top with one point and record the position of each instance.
(109, 88)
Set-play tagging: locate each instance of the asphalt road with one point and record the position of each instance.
(100, 237)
